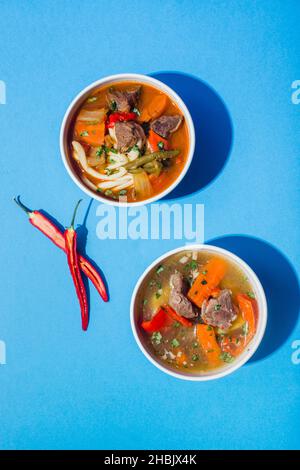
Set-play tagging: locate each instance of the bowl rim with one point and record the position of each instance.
(123, 77)
(262, 318)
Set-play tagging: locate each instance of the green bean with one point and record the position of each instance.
(150, 157)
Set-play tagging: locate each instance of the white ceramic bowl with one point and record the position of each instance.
(81, 97)
(240, 360)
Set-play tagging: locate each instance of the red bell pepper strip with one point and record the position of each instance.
(42, 223)
(160, 320)
(171, 312)
(70, 236)
(120, 116)
(163, 318)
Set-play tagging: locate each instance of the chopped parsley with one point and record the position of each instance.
(156, 337)
(195, 357)
(175, 343)
(99, 151)
(122, 192)
(113, 106)
(145, 301)
(251, 295)
(157, 295)
(159, 269)
(161, 145)
(209, 328)
(112, 150)
(195, 344)
(203, 282)
(84, 134)
(204, 272)
(226, 357)
(217, 307)
(176, 324)
(191, 265)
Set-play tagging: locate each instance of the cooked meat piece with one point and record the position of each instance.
(178, 300)
(128, 134)
(179, 283)
(166, 125)
(125, 100)
(219, 312)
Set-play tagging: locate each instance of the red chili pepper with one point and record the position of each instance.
(120, 116)
(163, 318)
(46, 226)
(70, 236)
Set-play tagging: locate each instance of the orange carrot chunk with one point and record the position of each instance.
(157, 142)
(207, 339)
(248, 308)
(155, 108)
(92, 134)
(206, 282)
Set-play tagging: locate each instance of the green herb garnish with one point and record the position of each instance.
(203, 282)
(113, 106)
(145, 301)
(84, 134)
(161, 145)
(195, 357)
(191, 265)
(176, 324)
(195, 345)
(226, 357)
(209, 328)
(217, 307)
(122, 192)
(159, 269)
(251, 295)
(99, 151)
(136, 111)
(156, 337)
(175, 343)
(157, 295)
(204, 272)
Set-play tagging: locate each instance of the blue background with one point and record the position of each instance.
(62, 388)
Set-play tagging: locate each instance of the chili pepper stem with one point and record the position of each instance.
(21, 205)
(74, 214)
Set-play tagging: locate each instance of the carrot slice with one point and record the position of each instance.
(207, 339)
(155, 139)
(89, 133)
(248, 308)
(155, 108)
(208, 279)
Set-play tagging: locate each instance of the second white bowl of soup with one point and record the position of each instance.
(198, 312)
(127, 139)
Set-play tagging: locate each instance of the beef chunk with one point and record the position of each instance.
(178, 300)
(219, 312)
(125, 100)
(165, 125)
(128, 134)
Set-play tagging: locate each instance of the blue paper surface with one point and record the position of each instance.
(234, 63)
